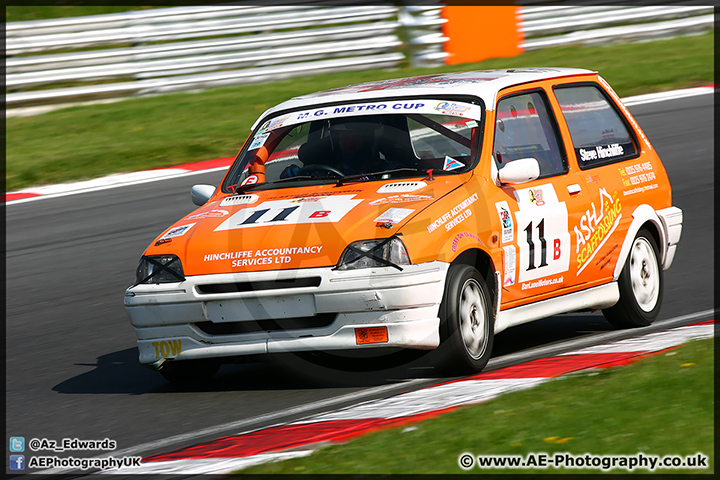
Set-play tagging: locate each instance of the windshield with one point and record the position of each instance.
(359, 142)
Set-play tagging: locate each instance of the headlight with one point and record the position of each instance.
(387, 252)
(159, 269)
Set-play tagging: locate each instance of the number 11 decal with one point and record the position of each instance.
(543, 243)
(544, 249)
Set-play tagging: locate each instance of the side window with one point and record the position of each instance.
(524, 128)
(599, 134)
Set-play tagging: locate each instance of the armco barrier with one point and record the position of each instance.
(182, 48)
(80, 59)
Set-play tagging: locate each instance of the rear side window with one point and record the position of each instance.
(599, 134)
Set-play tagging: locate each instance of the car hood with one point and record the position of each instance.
(292, 228)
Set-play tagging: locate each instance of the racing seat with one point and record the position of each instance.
(316, 152)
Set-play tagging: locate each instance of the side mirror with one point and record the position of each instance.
(200, 194)
(519, 171)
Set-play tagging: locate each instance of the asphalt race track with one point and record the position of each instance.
(71, 359)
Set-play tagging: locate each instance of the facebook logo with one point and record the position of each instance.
(17, 462)
(17, 444)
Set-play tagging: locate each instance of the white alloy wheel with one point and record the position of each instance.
(466, 322)
(472, 316)
(644, 276)
(640, 285)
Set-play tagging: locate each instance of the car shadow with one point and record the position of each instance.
(549, 331)
(120, 372)
(117, 372)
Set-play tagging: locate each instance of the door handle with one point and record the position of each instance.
(574, 189)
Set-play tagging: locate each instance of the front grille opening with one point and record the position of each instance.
(262, 285)
(272, 325)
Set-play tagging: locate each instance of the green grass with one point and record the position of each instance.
(662, 405)
(88, 141)
(22, 13)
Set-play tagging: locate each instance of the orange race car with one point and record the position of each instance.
(423, 212)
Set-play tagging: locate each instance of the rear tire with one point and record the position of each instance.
(640, 284)
(466, 322)
(189, 372)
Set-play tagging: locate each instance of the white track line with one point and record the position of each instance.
(238, 426)
(663, 96)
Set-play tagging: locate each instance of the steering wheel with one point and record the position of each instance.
(325, 168)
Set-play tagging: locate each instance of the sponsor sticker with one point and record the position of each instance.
(273, 124)
(456, 239)
(452, 108)
(211, 214)
(637, 174)
(595, 228)
(506, 221)
(168, 348)
(259, 141)
(371, 335)
(455, 216)
(510, 263)
(404, 198)
(424, 106)
(452, 164)
(306, 199)
(178, 231)
(544, 282)
(394, 215)
(329, 209)
(536, 196)
(297, 196)
(601, 151)
(640, 189)
(543, 237)
(267, 256)
(250, 180)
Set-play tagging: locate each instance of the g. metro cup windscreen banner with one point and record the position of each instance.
(422, 106)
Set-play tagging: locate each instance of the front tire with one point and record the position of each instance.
(466, 322)
(640, 284)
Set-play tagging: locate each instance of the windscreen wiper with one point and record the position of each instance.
(300, 177)
(361, 176)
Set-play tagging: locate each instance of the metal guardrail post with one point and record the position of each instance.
(423, 35)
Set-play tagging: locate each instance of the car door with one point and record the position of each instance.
(608, 155)
(537, 217)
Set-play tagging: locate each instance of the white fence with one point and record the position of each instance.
(554, 25)
(182, 48)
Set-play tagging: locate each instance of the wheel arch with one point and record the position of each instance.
(643, 216)
(484, 264)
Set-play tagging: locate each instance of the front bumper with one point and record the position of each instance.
(293, 310)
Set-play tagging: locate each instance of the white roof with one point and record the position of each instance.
(484, 84)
